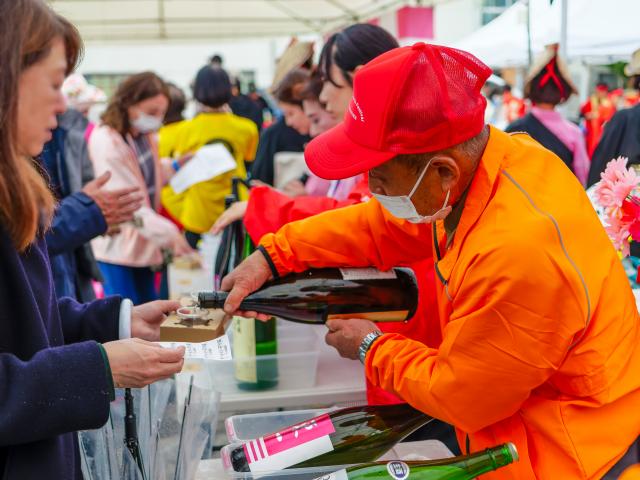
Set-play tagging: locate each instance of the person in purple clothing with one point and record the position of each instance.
(548, 85)
(59, 360)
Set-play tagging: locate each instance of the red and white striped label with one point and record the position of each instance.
(290, 446)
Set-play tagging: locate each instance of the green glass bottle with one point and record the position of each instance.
(465, 467)
(253, 339)
(341, 437)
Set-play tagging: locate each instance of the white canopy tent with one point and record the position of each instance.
(197, 20)
(598, 32)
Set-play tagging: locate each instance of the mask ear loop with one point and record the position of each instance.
(417, 184)
(446, 200)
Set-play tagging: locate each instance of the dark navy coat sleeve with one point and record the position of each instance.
(97, 320)
(58, 390)
(77, 220)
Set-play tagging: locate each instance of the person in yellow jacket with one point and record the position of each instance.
(198, 207)
(541, 334)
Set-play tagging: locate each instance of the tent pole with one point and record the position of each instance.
(563, 28)
(529, 53)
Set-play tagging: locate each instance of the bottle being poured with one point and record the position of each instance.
(318, 295)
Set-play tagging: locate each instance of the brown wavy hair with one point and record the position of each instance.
(132, 90)
(28, 30)
(291, 87)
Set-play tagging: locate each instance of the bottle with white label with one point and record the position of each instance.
(341, 437)
(465, 467)
(317, 295)
(252, 341)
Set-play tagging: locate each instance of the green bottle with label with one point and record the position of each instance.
(253, 339)
(465, 467)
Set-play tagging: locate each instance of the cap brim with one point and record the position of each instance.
(333, 155)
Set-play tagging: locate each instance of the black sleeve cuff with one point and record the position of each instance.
(272, 266)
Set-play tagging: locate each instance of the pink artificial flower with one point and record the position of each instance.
(616, 185)
(619, 234)
(615, 194)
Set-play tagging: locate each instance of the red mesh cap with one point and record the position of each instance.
(414, 99)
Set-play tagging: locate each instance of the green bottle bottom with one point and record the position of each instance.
(266, 369)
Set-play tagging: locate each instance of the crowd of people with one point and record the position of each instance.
(526, 331)
(575, 143)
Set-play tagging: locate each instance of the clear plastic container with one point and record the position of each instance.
(241, 428)
(297, 360)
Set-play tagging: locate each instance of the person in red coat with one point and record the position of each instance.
(597, 111)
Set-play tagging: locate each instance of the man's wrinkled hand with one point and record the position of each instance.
(246, 278)
(346, 335)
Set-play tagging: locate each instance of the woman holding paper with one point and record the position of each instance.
(59, 360)
(221, 143)
(125, 144)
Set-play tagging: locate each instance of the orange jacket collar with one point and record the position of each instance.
(479, 195)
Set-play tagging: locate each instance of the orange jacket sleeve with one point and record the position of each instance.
(514, 318)
(358, 236)
(268, 209)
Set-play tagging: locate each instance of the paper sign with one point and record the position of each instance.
(218, 349)
(208, 162)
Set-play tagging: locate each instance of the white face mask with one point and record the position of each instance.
(146, 123)
(401, 206)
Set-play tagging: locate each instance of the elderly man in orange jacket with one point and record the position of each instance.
(541, 335)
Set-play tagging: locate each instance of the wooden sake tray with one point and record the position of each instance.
(177, 329)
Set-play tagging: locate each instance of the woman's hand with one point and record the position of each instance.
(235, 212)
(294, 188)
(136, 363)
(180, 247)
(147, 318)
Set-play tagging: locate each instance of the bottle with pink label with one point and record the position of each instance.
(341, 437)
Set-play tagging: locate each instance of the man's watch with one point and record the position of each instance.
(367, 341)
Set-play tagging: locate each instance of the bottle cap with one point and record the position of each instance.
(513, 451)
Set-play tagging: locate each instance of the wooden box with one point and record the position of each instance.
(176, 329)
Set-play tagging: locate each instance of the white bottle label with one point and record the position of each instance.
(366, 274)
(339, 475)
(244, 349)
(290, 446)
(398, 470)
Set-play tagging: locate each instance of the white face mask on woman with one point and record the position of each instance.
(146, 123)
(401, 206)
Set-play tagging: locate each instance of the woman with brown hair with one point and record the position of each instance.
(55, 378)
(126, 145)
